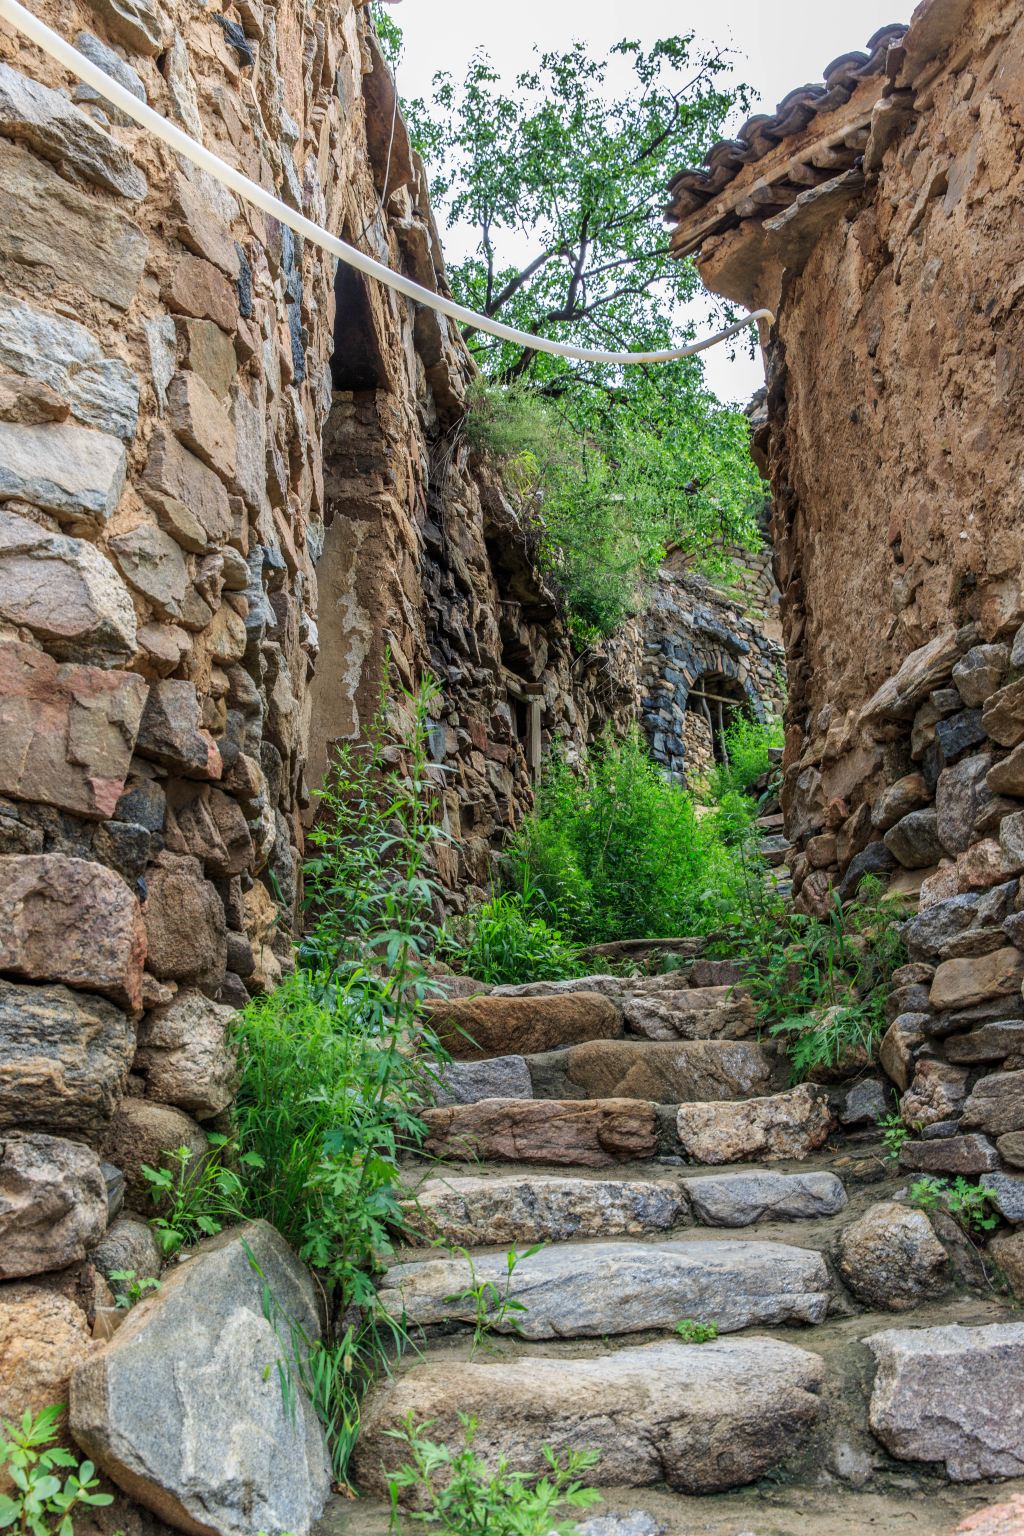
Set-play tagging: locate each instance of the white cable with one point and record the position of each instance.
(52, 43)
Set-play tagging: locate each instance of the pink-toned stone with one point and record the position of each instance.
(997, 1520)
(962, 983)
(592, 1133)
(71, 921)
(981, 866)
(939, 886)
(66, 731)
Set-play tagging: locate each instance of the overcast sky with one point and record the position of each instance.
(778, 46)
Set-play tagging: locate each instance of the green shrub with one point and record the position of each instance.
(197, 1197)
(693, 1332)
(617, 851)
(747, 743)
(457, 1494)
(504, 942)
(969, 1204)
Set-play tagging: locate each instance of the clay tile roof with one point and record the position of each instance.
(691, 188)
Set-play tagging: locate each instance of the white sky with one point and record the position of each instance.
(779, 45)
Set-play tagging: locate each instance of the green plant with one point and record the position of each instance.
(693, 1332)
(617, 850)
(131, 1288)
(336, 1064)
(494, 1304)
(748, 743)
(894, 1134)
(820, 985)
(41, 1504)
(458, 1494)
(508, 939)
(196, 1196)
(969, 1204)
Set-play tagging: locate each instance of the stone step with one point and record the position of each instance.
(691, 1013)
(591, 1290)
(664, 1072)
(473, 1028)
(519, 1209)
(474, 1211)
(781, 1125)
(590, 1132)
(700, 1417)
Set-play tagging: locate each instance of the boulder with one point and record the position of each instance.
(476, 1027)
(1006, 1250)
(67, 233)
(965, 806)
(517, 1209)
(914, 841)
(171, 733)
(588, 1290)
(183, 1407)
(921, 672)
(53, 1203)
(866, 1103)
(73, 472)
(72, 921)
(467, 1082)
(201, 422)
(891, 1259)
(66, 731)
(1003, 1519)
(139, 24)
(144, 1133)
(938, 1092)
(189, 500)
(64, 1058)
(187, 1055)
(699, 1418)
(900, 1043)
(693, 1013)
(43, 1336)
(186, 929)
(1003, 716)
(45, 120)
(739, 1199)
(952, 1395)
(99, 391)
(66, 592)
(204, 821)
(128, 1245)
(583, 1131)
(1007, 777)
(962, 983)
(927, 934)
(113, 65)
(996, 1104)
(979, 673)
(1008, 1192)
(967, 1155)
(1011, 1148)
(989, 1042)
(664, 1072)
(154, 565)
(791, 1124)
(956, 736)
(908, 794)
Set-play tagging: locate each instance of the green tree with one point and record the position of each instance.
(562, 181)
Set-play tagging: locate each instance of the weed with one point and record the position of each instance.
(509, 939)
(968, 1204)
(493, 1304)
(894, 1134)
(459, 1495)
(130, 1288)
(748, 743)
(197, 1196)
(41, 1504)
(693, 1332)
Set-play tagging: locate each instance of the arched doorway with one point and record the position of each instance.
(711, 705)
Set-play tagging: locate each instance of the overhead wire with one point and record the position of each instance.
(23, 20)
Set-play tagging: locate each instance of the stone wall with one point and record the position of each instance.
(879, 216)
(232, 480)
(707, 655)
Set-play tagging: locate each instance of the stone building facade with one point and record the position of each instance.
(710, 649)
(878, 216)
(232, 483)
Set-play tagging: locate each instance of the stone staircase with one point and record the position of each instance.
(641, 1133)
